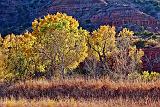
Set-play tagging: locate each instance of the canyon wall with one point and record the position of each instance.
(17, 15)
(151, 60)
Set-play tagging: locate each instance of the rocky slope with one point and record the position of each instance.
(17, 15)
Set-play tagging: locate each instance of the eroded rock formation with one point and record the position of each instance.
(17, 15)
(151, 60)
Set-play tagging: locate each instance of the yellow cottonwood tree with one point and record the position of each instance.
(3, 71)
(115, 52)
(129, 57)
(127, 37)
(59, 42)
(102, 43)
(19, 55)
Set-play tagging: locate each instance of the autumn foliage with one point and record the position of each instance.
(57, 46)
(60, 42)
(115, 53)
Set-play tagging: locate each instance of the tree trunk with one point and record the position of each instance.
(95, 69)
(62, 69)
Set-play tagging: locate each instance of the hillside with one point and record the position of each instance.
(17, 15)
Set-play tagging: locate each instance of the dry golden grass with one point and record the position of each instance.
(77, 103)
(82, 89)
(79, 92)
(81, 83)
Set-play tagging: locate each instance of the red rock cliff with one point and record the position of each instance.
(151, 60)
